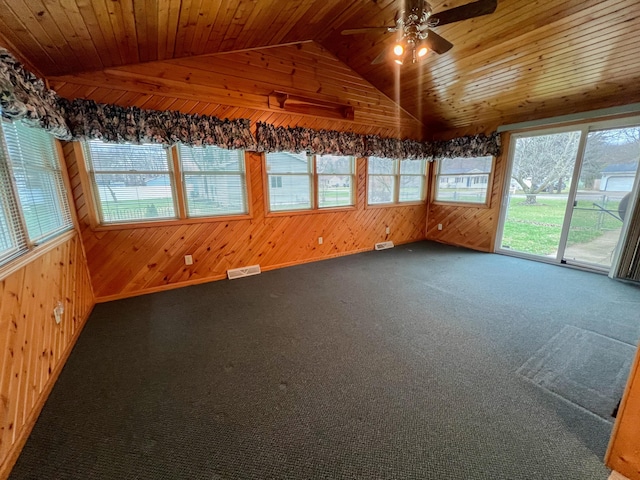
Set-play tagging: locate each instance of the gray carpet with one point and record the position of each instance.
(398, 364)
(585, 368)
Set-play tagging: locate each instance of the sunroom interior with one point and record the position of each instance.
(154, 147)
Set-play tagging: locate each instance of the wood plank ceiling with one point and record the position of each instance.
(530, 59)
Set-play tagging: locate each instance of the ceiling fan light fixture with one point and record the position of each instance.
(422, 51)
(398, 49)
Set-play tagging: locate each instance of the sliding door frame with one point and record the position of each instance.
(584, 128)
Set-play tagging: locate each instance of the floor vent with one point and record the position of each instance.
(243, 272)
(384, 245)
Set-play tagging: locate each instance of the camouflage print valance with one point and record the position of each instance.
(23, 96)
(470, 146)
(270, 138)
(112, 123)
(297, 139)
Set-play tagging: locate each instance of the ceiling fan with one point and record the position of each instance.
(413, 27)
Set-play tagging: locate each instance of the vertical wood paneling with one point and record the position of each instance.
(35, 347)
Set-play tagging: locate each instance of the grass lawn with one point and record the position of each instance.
(536, 228)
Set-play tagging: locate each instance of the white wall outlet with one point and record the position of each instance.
(387, 230)
(320, 240)
(439, 226)
(58, 310)
(188, 260)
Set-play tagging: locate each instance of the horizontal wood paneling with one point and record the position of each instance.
(131, 261)
(623, 454)
(34, 346)
(239, 84)
(470, 226)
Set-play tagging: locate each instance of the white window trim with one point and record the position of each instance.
(397, 176)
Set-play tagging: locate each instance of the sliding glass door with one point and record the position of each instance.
(567, 193)
(536, 201)
(607, 176)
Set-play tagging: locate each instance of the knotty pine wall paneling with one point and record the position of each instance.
(35, 347)
(467, 225)
(132, 260)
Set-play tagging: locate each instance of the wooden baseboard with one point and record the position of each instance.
(18, 445)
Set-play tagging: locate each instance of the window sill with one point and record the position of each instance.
(313, 211)
(168, 223)
(36, 252)
(395, 205)
(460, 204)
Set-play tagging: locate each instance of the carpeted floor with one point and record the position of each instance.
(398, 364)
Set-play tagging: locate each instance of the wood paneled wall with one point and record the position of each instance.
(135, 260)
(470, 226)
(624, 448)
(238, 85)
(35, 347)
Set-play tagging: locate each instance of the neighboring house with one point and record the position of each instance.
(464, 178)
(618, 177)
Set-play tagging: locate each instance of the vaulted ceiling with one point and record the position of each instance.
(530, 59)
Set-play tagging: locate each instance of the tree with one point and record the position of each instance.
(544, 161)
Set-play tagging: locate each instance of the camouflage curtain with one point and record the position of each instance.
(23, 96)
(112, 123)
(297, 139)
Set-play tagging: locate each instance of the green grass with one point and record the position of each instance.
(536, 228)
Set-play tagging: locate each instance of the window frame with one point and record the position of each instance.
(314, 186)
(397, 177)
(179, 199)
(29, 249)
(181, 188)
(488, 190)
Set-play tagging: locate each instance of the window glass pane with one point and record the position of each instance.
(412, 167)
(381, 166)
(334, 164)
(334, 191)
(463, 180)
(127, 198)
(38, 179)
(12, 242)
(132, 182)
(411, 188)
(294, 194)
(381, 189)
(210, 159)
(214, 181)
(465, 165)
(209, 195)
(285, 162)
(289, 181)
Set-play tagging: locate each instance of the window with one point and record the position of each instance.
(395, 181)
(335, 179)
(33, 202)
(297, 181)
(214, 181)
(131, 183)
(463, 180)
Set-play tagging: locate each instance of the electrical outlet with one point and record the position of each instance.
(188, 260)
(439, 226)
(320, 240)
(388, 230)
